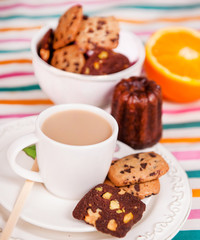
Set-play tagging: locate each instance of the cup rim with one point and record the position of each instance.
(94, 78)
(62, 107)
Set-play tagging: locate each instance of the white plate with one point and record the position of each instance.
(164, 216)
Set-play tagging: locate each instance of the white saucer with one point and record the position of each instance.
(164, 216)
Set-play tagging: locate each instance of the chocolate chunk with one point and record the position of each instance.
(137, 187)
(137, 155)
(152, 154)
(152, 174)
(143, 165)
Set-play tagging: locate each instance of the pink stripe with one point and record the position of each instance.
(16, 74)
(15, 40)
(18, 115)
(33, 6)
(142, 33)
(17, 5)
(194, 214)
(187, 155)
(181, 110)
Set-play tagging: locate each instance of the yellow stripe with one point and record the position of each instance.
(179, 140)
(27, 101)
(19, 28)
(15, 61)
(195, 192)
(177, 19)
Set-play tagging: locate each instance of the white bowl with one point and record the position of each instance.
(66, 87)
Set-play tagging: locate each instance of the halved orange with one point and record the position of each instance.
(173, 61)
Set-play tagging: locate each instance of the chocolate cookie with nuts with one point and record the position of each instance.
(105, 61)
(69, 58)
(137, 168)
(109, 210)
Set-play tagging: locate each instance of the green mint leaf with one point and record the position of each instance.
(30, 151)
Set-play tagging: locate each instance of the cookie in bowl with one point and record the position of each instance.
(64, 84)
(68, 27)
(105, 61)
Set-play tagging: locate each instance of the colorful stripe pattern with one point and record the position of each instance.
(21, 95)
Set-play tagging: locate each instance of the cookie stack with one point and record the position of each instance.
(83, 44)
(138, 174)
(115, 206)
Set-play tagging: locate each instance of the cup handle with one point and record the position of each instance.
(12, 152)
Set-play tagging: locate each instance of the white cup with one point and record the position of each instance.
(67, 171)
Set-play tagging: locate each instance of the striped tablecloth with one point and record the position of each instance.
(21, 96)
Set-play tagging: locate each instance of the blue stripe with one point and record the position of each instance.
(160, 7)
(147, 7)
(181, 125)
(29, 17)
(188, 235)
(21, 88)
(15, 50)
(193, 174)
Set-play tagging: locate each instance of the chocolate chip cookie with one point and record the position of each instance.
(69, 58)
(98, 32)
(140, 190)
(68, 27)
(137, 168)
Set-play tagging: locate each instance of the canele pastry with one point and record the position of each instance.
(136, 105)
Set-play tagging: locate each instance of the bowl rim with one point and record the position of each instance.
(95, 78)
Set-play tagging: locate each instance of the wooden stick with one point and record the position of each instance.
(14, 216)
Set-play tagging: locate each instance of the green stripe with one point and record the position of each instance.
(189, 234)
(160, 7)
(181, 125)
(15, 50)
(29, 17)
(22, 88)
(193, 174)
(147, 7)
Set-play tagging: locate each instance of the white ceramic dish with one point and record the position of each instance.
(66, 87)
(164, 216)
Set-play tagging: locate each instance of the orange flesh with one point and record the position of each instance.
(179, 53)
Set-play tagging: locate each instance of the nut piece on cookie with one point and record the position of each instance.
(45, 48)
(140, 190)
(137, 168)
(69, 58)
(114, 214)
(98, 32)
(105, 61)
(68, 27)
